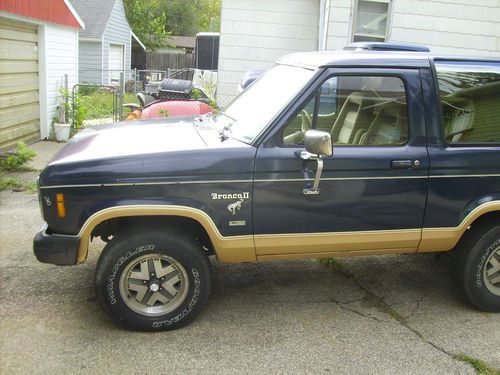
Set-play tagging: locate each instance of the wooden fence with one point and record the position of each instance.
(162, 61)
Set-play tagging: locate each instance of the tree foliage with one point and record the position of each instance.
(153, 20)
(147, 19)
(210, 15)
(188, 17)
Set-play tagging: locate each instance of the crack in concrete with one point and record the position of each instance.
(417, 307)
(380, 303)
(341, 305)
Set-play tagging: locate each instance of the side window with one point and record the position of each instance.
(303, 119)
(470, 98)
(355, 110)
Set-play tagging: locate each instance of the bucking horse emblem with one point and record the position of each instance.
(236, 206)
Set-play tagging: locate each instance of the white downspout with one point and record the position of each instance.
(326, 6)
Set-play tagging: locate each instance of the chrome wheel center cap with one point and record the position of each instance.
(154, 287)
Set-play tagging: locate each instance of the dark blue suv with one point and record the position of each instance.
(327, 154)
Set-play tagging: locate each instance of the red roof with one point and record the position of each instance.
(55, 11)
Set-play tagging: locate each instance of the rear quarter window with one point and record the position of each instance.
(470, 100)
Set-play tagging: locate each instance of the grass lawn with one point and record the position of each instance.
(99, 104)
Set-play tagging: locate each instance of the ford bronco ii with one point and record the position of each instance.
(327, 154)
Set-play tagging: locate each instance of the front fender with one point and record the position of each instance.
(230, 249)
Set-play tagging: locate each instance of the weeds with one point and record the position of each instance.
(17, 161)
(14, 184)
(481, 367)
(330, 261)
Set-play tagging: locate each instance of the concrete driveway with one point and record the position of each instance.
(368, 315)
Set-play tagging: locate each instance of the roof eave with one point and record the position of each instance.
(138, 40)
(75, 14)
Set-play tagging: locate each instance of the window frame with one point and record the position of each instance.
(315, 94)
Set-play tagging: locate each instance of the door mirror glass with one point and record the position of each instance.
(318, 142)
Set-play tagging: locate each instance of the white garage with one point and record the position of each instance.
(38, 46)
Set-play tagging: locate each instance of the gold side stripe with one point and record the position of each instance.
(465, 175)
(224, 181)
(263, 180)
(145, 183)
(295, 243)
(326, 234)
(325, 254)
(342, 178)
(247, 248)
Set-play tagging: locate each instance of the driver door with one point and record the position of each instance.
(372, 191)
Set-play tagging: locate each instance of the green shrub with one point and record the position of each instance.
(19, 159)
(195, 94)
(74, 110)
(79, 111)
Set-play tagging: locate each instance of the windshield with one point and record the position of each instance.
(250, 112)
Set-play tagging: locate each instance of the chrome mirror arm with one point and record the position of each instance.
(304, 155)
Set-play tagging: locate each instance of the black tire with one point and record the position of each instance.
(473, 256)
(172, 251)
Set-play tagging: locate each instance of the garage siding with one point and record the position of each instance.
(61, 44)
(90, 62)
(19, 83)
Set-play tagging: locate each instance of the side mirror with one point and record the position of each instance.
(318, 142)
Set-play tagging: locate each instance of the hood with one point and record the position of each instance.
(129, 139)
(149, 151)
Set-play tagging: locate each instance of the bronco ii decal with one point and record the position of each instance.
(217, 196)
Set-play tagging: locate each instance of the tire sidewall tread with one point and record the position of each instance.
(124, 248)
(471, 260)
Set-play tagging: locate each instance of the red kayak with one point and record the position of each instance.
(176, 108)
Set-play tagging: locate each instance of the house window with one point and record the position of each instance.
(371, 21)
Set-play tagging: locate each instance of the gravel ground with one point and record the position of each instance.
(398, 314)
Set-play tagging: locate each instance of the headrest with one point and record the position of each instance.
(359, 98)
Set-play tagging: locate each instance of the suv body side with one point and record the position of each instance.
(415, 168)
(366, 204)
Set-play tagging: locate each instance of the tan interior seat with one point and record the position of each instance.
(390, 126)
(354, 118)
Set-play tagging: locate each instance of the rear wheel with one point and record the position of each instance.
(478, 268)
(153, 280)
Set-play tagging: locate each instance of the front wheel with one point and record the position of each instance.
(153, 280)
(478, 269)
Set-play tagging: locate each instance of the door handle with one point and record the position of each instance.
(401, 164)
